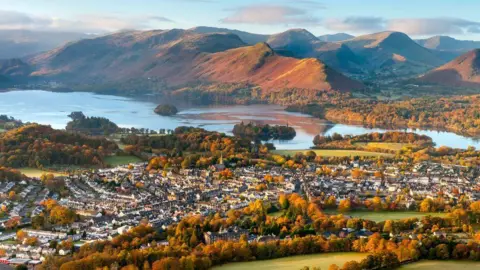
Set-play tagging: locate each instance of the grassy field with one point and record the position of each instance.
(34, 172)
(450, 265)
(382, 216)
(296, 262)
(276, 214)
(333, 153)
(122, 160)
(386, 146)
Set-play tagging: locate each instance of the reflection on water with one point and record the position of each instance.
(52, 109)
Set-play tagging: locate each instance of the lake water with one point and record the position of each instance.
(52, 108)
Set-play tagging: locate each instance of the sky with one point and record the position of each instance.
(418, 18)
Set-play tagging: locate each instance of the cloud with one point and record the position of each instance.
(270, 15)
(311, 3)
(13, 20)
(355, 24)
(434, 26)
(411, 26)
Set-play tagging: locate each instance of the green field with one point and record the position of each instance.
(276, 214)
(385, 215)
(381, 145)
(450, 265)
(121, 160)
(34, 172)
(296, 262)
(333, 153)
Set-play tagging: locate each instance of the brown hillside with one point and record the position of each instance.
(260, 65)
(464, 71)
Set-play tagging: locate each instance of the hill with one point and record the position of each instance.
(393, 52)
(14, 68)
(464, 71)
(22, 43)
(261, 65)
(335, 37)
(446, 43)
(300, 43)
(247, 37)
(41, 146)
(154, 54)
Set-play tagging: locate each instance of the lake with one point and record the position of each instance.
(52, 108)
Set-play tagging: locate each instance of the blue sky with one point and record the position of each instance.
(417, 18)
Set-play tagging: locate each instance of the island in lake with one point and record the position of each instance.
(264, 132)
(166, 110)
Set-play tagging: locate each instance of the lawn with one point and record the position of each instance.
(34, 172)
(382, 145)
(296, 262)
(450, 265)
(386, 215)
(333, 153)
(122, 160)
(276, 214)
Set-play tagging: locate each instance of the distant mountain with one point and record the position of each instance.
(14, 68)
(300, 43)
(21, 43)
(446, 43)
(335, 37)
(247, 37)
(176, 58)
(393, 52)
(464, 71)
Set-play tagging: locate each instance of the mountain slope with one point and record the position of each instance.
(393, 52)
(335, 37)
(260, 65)
(446, 43)
(464, 71)
(134, 54)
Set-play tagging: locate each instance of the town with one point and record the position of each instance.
(108, 202)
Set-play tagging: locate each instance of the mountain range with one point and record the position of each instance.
(294, 59)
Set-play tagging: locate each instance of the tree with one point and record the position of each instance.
(333, 267)
(283, 201)
(351, 265)
(344, 205)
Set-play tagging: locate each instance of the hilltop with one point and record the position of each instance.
(464, 71)
(393, 52)
(446, 43)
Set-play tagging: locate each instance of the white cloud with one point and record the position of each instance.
(355, 24)
(270, 15)
(411, 26)
(433, 26)
(13, 20)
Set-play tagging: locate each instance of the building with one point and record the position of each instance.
(230, 234)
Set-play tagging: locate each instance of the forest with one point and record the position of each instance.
(459, 114)
(263, 132)
(90, 125)
(40, 146)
